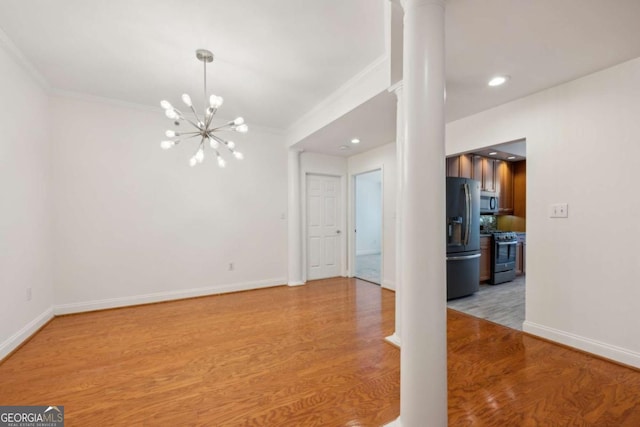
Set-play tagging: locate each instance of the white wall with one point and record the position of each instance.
(136, 224)
(583, 148)
(381, 158)
(368, 212)
(25, 171)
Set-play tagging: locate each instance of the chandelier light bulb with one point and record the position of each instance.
(238, 155)
(213, 143)
(165, 104)
(193, 161)
(231, 145)
(171, 133)
(167, 144)
(242, 128)
(171, 113)
(238, 121)
(215, 101)
(221, 162)
(200, 155)
(186, 99)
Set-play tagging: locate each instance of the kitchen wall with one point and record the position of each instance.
(582, 149)
(134, 223)
(25, 175)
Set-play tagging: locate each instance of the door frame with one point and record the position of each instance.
(352, 221)
(305, 232)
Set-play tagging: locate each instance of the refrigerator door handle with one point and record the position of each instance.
(467, 201)
(462, 258)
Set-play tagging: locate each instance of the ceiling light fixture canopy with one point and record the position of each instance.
(203, 127)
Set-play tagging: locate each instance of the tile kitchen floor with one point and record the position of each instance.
(502, 304)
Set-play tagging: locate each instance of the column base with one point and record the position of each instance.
(393, 340)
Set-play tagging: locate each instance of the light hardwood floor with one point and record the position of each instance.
(312, 355)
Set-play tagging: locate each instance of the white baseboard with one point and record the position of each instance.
(393, 340)
(394, 423)
(296, 283)
(78, 307)
(608, 351)
(388, 284)
(23, 334)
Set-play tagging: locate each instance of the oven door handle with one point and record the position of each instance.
(506, 243)
(462, 258)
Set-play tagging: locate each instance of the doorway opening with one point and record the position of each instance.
(501, 170)
(368, 226)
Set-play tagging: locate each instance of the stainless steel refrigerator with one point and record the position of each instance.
(463, 237)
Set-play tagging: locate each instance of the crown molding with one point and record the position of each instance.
(342, 90)
(13, 51)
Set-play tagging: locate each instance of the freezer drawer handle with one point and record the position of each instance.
(460, 258)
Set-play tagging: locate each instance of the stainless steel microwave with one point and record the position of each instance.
(489, 203)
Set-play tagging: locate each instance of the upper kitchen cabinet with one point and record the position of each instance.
(520, 189)
(483, 170)
(507, 179)
(459, 166)
(504, 185)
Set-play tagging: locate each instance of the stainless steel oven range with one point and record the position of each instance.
(503, 257)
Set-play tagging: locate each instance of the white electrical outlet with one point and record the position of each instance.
(28, 294)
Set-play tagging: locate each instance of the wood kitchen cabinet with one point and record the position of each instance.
(483, 170)
(459, 166)
(485, 258)
(520, 189)
(504, 186)
(476, 169)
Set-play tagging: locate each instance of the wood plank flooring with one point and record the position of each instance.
(312, 355)
(502, 304)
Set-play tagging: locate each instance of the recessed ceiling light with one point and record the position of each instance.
(344, 147)
(493, 153)
(498, 80)
(511, 157)
(355, 141)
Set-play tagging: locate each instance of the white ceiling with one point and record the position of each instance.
(277, 59)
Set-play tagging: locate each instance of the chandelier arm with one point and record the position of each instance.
(229, 125)
(192, 123)
(213, 112)
(196, 115)
(217, 138)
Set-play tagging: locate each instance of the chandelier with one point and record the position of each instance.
(202, 127)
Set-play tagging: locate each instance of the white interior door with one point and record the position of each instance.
(324, 233)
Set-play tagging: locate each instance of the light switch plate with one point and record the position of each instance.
(559, 210)
(563, 210)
